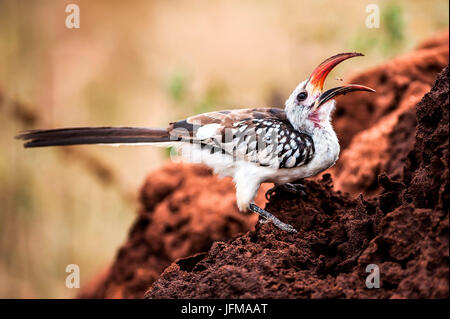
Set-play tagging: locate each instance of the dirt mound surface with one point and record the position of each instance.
(404, 231)
(401, 223)
(393, 81)
(365, 123)
(185, 209)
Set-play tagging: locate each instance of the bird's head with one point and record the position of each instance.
(308, 107)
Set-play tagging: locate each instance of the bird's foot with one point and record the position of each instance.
(297, 188)
(266, 216)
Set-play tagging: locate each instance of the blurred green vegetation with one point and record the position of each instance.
(177, 87)
(396, 28)
(187, 103)
(389, 39)
(147, 63)
(392, 20)
(186, 100)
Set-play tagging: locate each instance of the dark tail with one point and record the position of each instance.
(93, 135)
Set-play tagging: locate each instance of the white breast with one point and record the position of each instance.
(326, 154)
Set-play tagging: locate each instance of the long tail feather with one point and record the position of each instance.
(93, 135)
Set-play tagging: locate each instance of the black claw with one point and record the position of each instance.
(289, 188)
(270, 193)
(300, 186)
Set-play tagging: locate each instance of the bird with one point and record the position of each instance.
(251, 145)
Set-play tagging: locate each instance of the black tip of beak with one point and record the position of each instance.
(342, 90)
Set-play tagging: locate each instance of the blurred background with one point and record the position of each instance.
(146, 63)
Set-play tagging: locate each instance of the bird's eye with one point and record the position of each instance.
(302, 96)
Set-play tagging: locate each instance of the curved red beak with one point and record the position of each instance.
(320, 73)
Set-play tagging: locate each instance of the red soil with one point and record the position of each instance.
(404, 231)
(401, 223)
(185, 208)
(365, 122)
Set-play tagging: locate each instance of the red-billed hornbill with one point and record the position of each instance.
(253, 146)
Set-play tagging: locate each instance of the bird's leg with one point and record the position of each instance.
(268, 216)
(288, 187)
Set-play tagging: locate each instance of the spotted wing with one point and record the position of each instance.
(262, 136)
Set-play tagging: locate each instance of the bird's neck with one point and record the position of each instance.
(307, 124)
(302, 119)
(326, 132)
(321, 132)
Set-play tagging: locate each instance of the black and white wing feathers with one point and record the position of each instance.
(262, 136)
